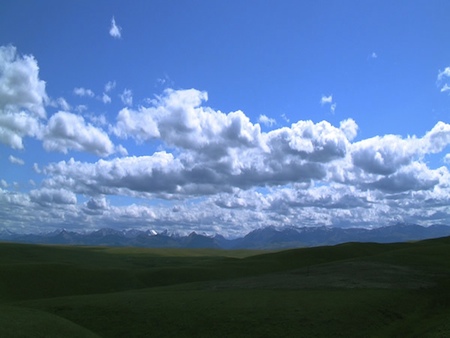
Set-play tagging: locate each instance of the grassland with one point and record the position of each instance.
(348, 290)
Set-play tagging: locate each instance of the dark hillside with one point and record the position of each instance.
(347, 290)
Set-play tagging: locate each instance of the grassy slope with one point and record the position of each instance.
(349, 290)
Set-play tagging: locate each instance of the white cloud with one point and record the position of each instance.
(115, 31)
(110, 85)
(22, 97)
(333, 108)
(62, 103)
(48, 197)
(127, 97)
(66, 131)
(445, 88)
(416, 176)
(447, 158)
(16, 125)
(328, 100)
(349, 128)
(16, 160)
(106, 99)
(36, 168)
(384, 155)
(285, 118)
(373, 55)
(443, 74)
(266, 120)
(121, 150)
(80, 91)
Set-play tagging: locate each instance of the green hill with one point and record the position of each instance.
(348, 290)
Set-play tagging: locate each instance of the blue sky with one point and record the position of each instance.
(223, 116)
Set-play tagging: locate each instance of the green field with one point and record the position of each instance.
(348, 290)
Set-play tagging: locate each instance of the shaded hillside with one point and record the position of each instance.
(347, 290)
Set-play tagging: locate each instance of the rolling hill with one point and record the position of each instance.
(346, 290)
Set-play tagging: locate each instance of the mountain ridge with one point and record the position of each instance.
(262, 238)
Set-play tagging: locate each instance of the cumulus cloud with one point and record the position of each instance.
(22, 97)
(115, 31)
(309, 171)
(16, 160)
(416, 176)
(384, 155)
(349, 128)
(220, 151)
(66, 131)
(48, 197)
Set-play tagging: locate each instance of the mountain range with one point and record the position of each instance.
(263, 238)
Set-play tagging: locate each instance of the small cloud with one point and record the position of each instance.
(445, 88)
(110, 86)
(115, 31)
(36, 168)
(16, 160)
(127, 97)
(63, 103)
(106, 98)
(373, 55)
(33, 183)
(267, 121)
(329, 100)
(443, 74)
(333, 108)
(285, 118)
(326, 99)
(447, 158)
(81, 108)
(80, 91)
(3, 184)
(165, 82)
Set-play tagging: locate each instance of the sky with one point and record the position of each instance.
(223, 116)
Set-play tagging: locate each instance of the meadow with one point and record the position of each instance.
(347, 290)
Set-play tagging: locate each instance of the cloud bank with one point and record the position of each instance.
(206, 170)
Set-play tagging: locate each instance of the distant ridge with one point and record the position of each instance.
(263, 238)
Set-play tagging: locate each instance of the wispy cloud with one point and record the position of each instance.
(443, 74)
(16, 160)
(127, 97)
(110, 85)
(115, 31)
(442, 80)
(106, 98)
(445, 88)
(267, 121)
